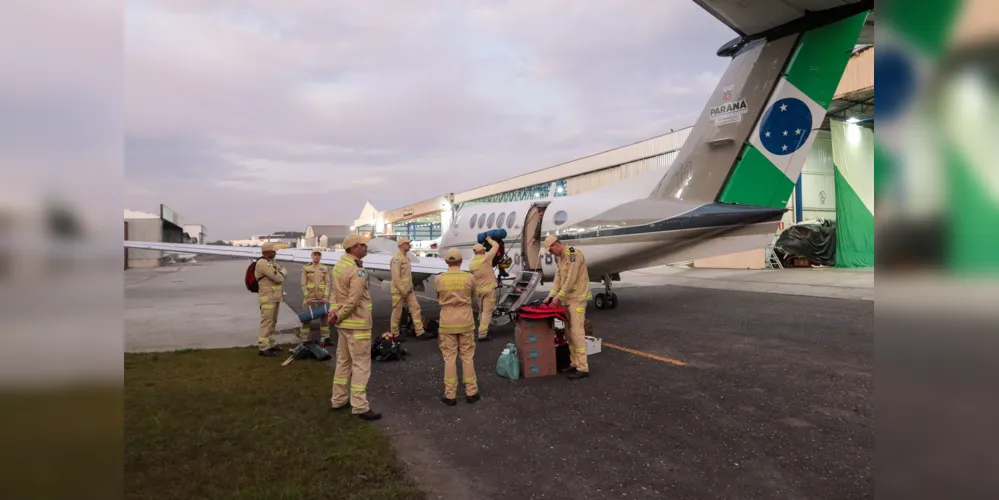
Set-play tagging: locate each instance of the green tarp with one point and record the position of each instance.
(853, 156)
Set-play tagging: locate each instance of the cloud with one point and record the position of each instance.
(274, 115)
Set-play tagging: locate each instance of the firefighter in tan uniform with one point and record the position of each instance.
(485, 285)
(402, 291)
(455, 290)
(270, 276)
(571, 289)
(351, 313)
(317, 285)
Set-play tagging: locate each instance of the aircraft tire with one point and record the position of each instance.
(600, 301)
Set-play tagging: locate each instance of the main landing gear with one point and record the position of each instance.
(606, 300)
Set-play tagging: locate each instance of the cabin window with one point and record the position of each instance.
(511, 219)
(471, 224)
(482, 221)
(492, 218)
(560, 217)
(500, 220)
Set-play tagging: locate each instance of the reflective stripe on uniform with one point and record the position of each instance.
(362, 336)
(469, 380)
(356, 388)
(450, 380)
(453, 281)
(457, 329)
(580, 309)
(339, 381)
(352, 322)
(578, 350)
(267, 306)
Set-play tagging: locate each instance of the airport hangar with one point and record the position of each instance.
(166, 226)
(814, 195)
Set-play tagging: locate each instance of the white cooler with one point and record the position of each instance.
(592, 345)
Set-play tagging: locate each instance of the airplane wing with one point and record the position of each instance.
(760, 18)
(378, 261)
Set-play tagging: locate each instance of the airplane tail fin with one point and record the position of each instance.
(751, 141)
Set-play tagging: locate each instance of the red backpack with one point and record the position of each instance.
(250, 279)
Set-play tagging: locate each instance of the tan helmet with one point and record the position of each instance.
(403, 240)
(318, 250)
(478, 248)
(549, 241)
(354, 239)
(268, 247)
(452, 255)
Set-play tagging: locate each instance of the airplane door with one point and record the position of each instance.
(531, 240)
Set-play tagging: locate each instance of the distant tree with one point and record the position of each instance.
(221, 243)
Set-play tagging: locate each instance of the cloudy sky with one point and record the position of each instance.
(279, 114)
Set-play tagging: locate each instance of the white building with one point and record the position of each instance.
(328, 236)
(195, 233)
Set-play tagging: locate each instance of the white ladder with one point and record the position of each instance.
(772, 261)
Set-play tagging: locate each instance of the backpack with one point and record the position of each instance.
(386, 348)
(408, 329)
(508, 366)
(250, 279)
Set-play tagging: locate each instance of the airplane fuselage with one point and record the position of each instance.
(618, 228)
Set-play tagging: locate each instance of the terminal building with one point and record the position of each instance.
(814, 196)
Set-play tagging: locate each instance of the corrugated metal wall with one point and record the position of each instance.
(818, 186)
(594, 180)
(632, 152)
(585, 166)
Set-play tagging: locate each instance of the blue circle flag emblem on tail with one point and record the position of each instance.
(894, 68)
(786, 126)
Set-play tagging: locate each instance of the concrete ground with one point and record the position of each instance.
(202, 305)
(813, 282)
(775, 399)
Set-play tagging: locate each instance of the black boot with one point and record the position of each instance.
(267, 354)
(473, 399)
(449, 402)
(487, 338)
(369, 415)
(575, 375)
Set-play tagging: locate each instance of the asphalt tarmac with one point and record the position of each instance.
(775, 401)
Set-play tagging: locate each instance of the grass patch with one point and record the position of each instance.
(227, 424)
